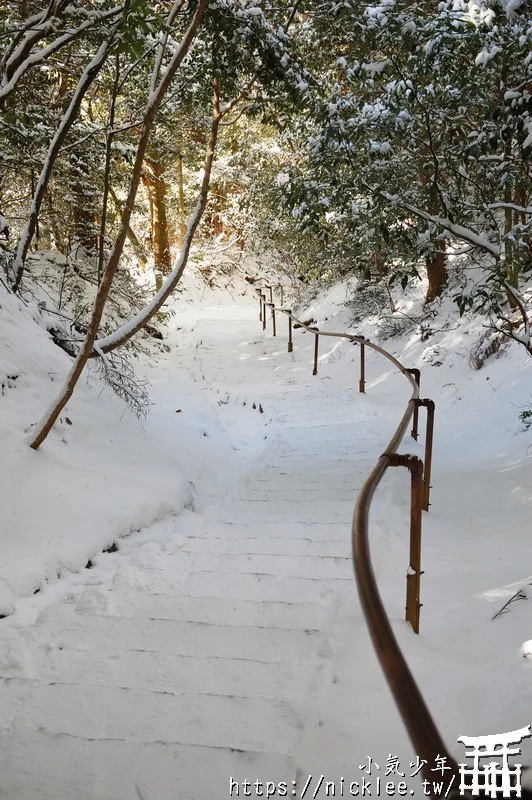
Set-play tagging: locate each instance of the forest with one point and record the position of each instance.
(178, 490)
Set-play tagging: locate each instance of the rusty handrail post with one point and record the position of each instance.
(362, 381)
(413, 576)
(416, 374)
(290, 342)
(429, 436)
(263, 311)
(316, 350)
(282, 293)
(260, 306)
(274, 323)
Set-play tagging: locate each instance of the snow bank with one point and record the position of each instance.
(100, 475)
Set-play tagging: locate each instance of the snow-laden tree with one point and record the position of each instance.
(422, 134)
(239, 50)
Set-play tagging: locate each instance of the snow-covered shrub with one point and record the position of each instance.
(65, 288)
(117, 372)
(369, 299)
(526, 418)
(392, 325)
(489, 344)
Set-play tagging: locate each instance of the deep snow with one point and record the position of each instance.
(227, 640)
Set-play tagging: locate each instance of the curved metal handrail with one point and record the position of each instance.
(421, 728)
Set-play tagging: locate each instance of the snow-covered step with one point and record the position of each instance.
(11, 695)
(214, 610)
(103, 712)
(286, 476)
(40, 765)
(246, 586)
(300, 494)
(340, 511)
(235, 529)
(277, 565)
(278, 546)
(165, 671)
(206, 648)
(313, 470)
(200, 640)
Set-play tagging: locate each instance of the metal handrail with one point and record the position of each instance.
(421, 728)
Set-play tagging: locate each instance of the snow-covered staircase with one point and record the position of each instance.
(206, 649)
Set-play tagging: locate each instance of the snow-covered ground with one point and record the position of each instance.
(225, 640)
(99, 477)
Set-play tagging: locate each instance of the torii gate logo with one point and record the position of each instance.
(496, 778)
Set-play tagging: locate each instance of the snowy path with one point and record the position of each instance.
(214, 644)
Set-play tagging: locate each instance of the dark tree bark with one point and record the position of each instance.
(156, 185)
(436, 272)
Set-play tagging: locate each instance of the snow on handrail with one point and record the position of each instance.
(422, 730)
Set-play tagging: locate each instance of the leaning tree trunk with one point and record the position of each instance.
(156, 96)
(107, 167)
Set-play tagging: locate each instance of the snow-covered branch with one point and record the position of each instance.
(85, 81)
(10, 81)
(32, 31)
(163, 44)
(460, 231)
(512, 206)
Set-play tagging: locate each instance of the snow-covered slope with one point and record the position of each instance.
(100, 475)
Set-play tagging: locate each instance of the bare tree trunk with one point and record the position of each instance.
(160, 241)
(149, 198)
(156, 96)
(58, 241)
(219, 194)
(511, 276)
(436, 264)
(436, 272)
